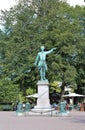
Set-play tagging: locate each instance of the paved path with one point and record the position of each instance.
(9, 121)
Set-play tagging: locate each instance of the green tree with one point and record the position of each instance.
(8, 91)
(79, 60)
(49, 23)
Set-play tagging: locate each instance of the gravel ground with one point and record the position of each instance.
(10, 121)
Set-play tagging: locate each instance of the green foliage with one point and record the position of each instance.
(1, 107)
(8, 91)
(29, 91)
(55, 86)
(21, 98)
(51, 23)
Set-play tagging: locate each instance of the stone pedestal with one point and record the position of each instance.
(43, 101)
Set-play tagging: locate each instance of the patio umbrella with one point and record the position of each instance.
(73, 95)
(33, 95)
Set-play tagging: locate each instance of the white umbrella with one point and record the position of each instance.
(73, 95)
(33, 95)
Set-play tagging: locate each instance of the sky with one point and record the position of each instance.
(76, 2)
(6, 4)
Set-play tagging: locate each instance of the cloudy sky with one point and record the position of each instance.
(6, 4)
(76, 2)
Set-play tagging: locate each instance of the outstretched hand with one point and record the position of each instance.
(54, 48)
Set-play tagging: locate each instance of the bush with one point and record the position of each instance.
(6, 107)
(1, 107)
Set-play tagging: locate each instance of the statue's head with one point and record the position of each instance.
(42, 48)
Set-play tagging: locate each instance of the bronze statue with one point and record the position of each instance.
(41, 61)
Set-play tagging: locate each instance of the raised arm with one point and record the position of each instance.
(48, 52)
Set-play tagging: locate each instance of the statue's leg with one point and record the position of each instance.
(44, 73)
(41, 74)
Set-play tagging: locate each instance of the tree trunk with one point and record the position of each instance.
(62, 90)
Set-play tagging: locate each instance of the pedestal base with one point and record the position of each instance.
(43, 102)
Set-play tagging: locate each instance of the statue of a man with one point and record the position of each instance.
(41, 61)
